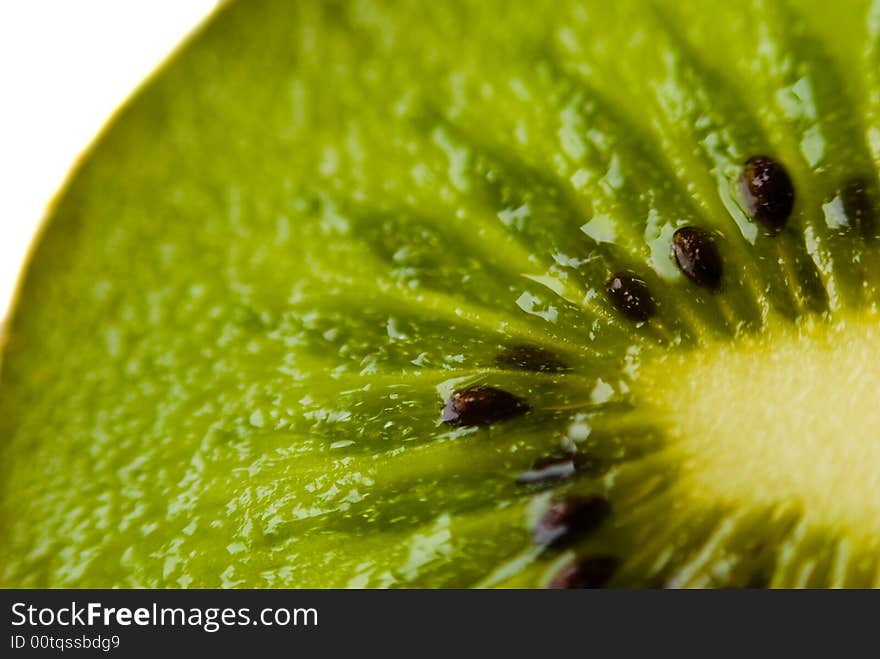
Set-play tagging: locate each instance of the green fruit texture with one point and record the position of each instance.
(466, 293)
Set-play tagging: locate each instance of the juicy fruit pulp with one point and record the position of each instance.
(322, 221)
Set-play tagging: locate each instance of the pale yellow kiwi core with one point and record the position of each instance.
(787, 418)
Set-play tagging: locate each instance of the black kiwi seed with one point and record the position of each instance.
(557, 467)
(482, 405)
(589, 572)
(859, 206)
(548, 471)
(697, 256)
(767, 191)
(568, 519)
(530, 358)
(631, 296)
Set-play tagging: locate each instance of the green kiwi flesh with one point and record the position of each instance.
(380, 294)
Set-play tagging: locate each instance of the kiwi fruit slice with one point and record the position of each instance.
(377, 294)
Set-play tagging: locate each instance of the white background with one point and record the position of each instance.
(65, 65)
